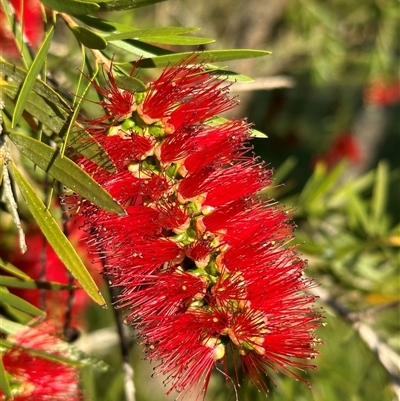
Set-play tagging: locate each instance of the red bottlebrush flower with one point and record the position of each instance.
(183, 95)
(31, 20)
(382, 93)
(344, 147)
(202, 263)
(34, 377)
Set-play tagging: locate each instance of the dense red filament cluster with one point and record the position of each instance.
(201, 261)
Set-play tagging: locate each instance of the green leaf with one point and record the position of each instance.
(72, 355)
(84, 143)
(100, 24)
(284, 169)
(327, 182)
(178, 40)
(41, 354)
(208, 55)
(167, 35)
(214, 121)
(53, 118)
(130, 83)
(43, 103)
(117, 5)
(56, 238)
(380, 193)
(231, 76)
(73, 7)
(358, 211)
(17, 30)
(65, 171)
(11, 269)
(258, 134)
(50, 108)
(9, 327)
(31, 76)
(14, 282)
(2, 164)
(140, 49)
(7, 298)
(89, 38)
(311, 185)
(138, 34)
(4, 383)
(18, 75)
(357, 185)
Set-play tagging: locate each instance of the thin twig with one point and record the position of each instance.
(389, 359)
(8, 195)
(102, 60)
(267, 83)
(129, 385)
(70, 332)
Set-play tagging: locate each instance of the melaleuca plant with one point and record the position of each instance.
(165, 194)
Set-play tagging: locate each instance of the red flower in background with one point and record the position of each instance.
(344, 147)
(56, 301)
(382, 93)
(35, 378)
(31, 19)
(203, 264)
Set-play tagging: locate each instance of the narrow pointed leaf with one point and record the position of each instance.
(56, 238)
(327, 182)
(53, 118)
(2, 165)
(312, 183)
(208, 55)
(89, 38)
(4, 383)
(117, 5)
(84, 143)
(6, 298)
(358, 210)
(11, 269)
(17, 30)
(40, 87)
(73, 7)
(31, 76)
(161, 35)
(140, 49)
(9, 327)
(42, 354)
(284, 169)
(177, 40)
(232, 77)
(380, 192)
(72, 354)
(14, 282)
(258, 134)
(214, 121)
(130, 83)
(138, 34)
(65, 171)
(50, 109)
(101, 24)
(81, 141)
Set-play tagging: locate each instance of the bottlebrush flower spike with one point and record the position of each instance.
(202, 262)
(34, 377)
